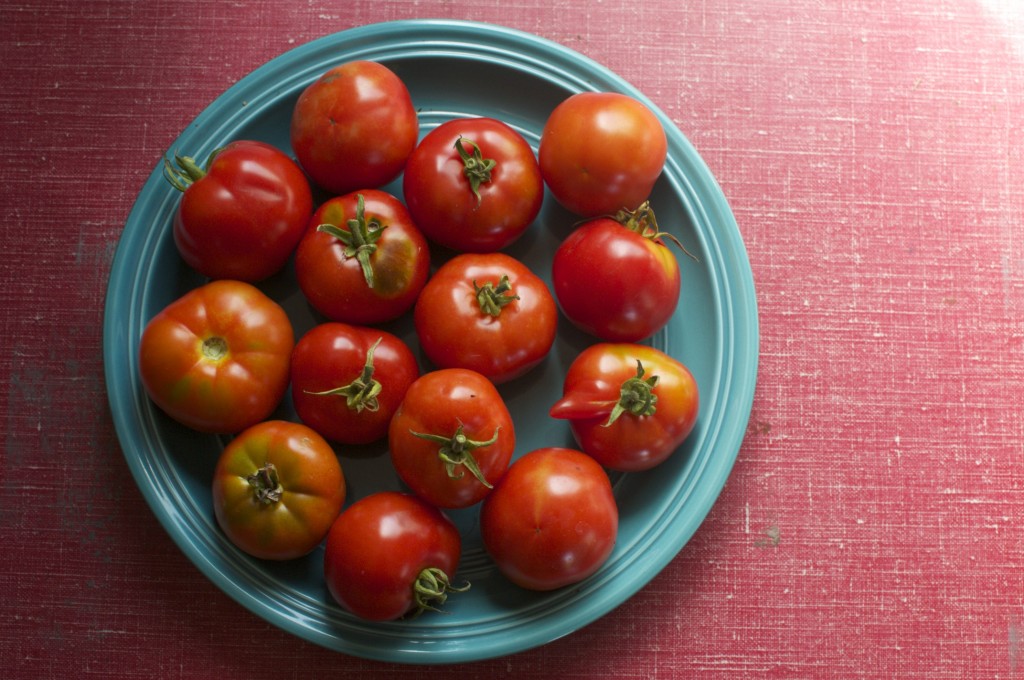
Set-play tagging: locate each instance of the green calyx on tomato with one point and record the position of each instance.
(360, 239)
(493, 298)
(266, 484)
(361, 393)
(642, 221)
(458, 450)
(188, 171)
(636, 396)
(476, 168)
(431, 591)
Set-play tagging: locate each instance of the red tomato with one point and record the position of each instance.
(473, 185)
(629, 406)
(617, 279)
(486, 312)
(362, 261)
(347, 381)
(552, 519)
(217, 358)
(241, 216)
(354, 127)
(390, 555)
(451, 422)
(277, 489)
(601, 152)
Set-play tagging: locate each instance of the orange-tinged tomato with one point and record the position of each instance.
(601, 152)
(217, 358)
(277, 489)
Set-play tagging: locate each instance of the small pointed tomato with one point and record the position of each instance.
(629, 406)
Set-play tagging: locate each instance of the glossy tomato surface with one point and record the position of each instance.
(242, 215)
(473, 185)
(385, 546)
(362, 260)
(277, 489)
(488, 313)
(354, 127)
(452, 437)
(217, 358)
(347, 381)
(552, 520)
(616, 283)
(601, 152)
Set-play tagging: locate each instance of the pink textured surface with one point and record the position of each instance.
(872, 526)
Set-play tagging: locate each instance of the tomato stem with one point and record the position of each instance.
(636, 396)
(492, 299)
(458, 450)
(643, 222)
(361, 393)
(360, 239)
(266, 484)
(431, 589)
(475, 167)
(188, 170)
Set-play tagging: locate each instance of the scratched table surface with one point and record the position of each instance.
(872, 524)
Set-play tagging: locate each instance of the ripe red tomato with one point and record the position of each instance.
(615, 278)
(473, 185)
(362, 260)
(486, 312)
(354, 127)
(552, 519)
(347, 381)
(277, 489)
(452, 437)
(242, 215)
(601, 152)
(391, 555)
(629, 406)
(217, 358)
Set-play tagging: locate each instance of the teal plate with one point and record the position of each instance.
(452, 68)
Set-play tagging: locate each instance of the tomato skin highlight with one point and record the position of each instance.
(552, 520)
(354, 127)
(446, 403)
(310, 490)
(335, 282)
(441, 197)
(601, 152)
(243, 218)
(378, 547)
(454, 331)
(614, 283)
(217, 358)
(333, 355)
(631, 442)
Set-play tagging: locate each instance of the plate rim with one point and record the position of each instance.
(588, 74)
